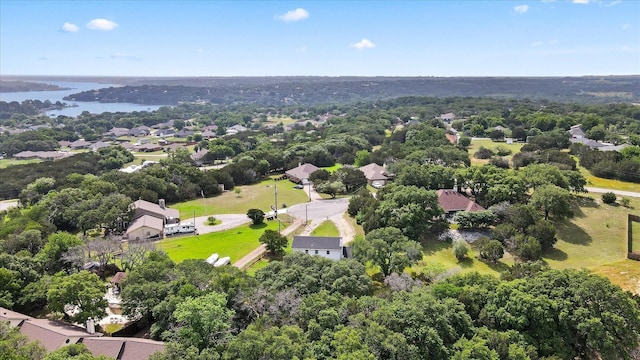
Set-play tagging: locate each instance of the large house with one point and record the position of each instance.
(576, 131)
(301, 173)
(453, 201)
(149, 219)
(376, 175)
(329, 247)
(53, 335)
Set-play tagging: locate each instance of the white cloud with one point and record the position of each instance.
(121, 55)
(293, 15)
(363, 44)
(537, 43)
(101, 24)
(541, 43)
(580, 1)
(521, 9)
(613, 3)
(69, 27)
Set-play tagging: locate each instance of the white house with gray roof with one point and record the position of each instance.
(329, 247)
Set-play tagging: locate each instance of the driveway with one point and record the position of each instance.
(5, 205)
(228, 221)
(617, 192)
(319, 209)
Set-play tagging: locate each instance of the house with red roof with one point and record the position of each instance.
(453, 201)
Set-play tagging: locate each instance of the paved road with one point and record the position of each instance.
(617, 192)
(319, 209)
(228, 221)
(4, 205)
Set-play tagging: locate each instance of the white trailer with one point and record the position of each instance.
(181, 228)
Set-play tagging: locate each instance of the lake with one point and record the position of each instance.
(75, 87)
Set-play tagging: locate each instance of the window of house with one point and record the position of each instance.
(328, 252)
(306, 251)
(316, 252)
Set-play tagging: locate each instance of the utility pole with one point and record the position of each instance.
(275, 194)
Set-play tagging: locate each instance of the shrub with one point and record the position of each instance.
(625, 202)
(460, 250)
(256, 215)
(483, 153)
(500, 162)
(503, 151)
(211, 220)
(609, 198)
(492, 251)
(464, 141)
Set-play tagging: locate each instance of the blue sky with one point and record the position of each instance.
(320, 38)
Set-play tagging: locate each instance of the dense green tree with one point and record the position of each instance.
(74, 352)
(275, 243)
(277, 343)
(82, 290)
(492, 251)
(552, 200)
(15, 346)
(203, 321)
(256, 216)
(388, 249)
(51, 254)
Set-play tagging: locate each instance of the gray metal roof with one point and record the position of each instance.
(316, 242)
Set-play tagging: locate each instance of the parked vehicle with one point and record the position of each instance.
(222, 261)
(212, 259)
(181, 228)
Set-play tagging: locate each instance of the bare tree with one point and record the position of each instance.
(135, 253)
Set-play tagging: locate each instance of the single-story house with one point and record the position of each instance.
(184, 133)
(588, 142)
(197, 156)
(329, 247)
(80, 144)
(145, 227)
(165, 133)
(301, 173)
(42, 155)
(175, 146)
(453, 201)
(576, 131)
(98, 145)
(208, 134)
(54, 335)
(149, 147)
(140, 131)
(448, 117)
(376, 175)
(117, 132)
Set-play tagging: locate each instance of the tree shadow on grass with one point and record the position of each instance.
(555, 254)
(572, 233)
(466, 262)
(257, 226)
(583, 202)
(429, 247)
(498, 266)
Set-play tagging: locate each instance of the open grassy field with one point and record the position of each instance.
(259, 196)
(440, 253)
(234, 243)
(326, 228)
(285, 120)
(490, 144)
(4, 163)
(333, 168)
(608, 183)
(624, 273)
(635, 241)
(595, 239)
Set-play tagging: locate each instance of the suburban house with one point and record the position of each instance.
(79, 144)
(197, 156)
(453, 201)
(184, 133)
(117, 132)
(576, 131)
(232, 130)
(149, 219)
(329, 247)
(165, 133)
(448, 117)
(301, 173)
(148, 147)
(54, 335)
(98, 145)
(42, 155)
(376, 175)
(208, 134)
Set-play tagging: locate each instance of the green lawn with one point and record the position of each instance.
(440, 254)
(286, 120)
(608, 183)
(260, 196)
(235, 243)
(4, 163)
(257, 266)
(332, 168)
(595, 238)
(326, 228)
(490, 144)
(635, 232)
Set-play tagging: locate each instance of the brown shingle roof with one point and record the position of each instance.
(451, 200)
(301, 172)
(374, 172)
(146, 221)
(156, 209)
(51, 334)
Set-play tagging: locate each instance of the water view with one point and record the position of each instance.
(77, 106)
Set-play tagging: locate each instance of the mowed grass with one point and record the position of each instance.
(490, 144)
(624, 273)
(259, 196)
(326, 228)
(595, 236)
(235, 243)
(595, 181)
(635, 240)
(595, 239)
(440, 253)
(5, 163)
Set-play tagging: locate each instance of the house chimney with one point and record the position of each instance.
(91, 326)
(455, 185)
(161, 203)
